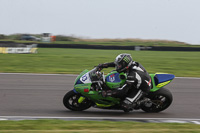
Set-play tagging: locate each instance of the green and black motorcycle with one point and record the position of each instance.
(89, 84)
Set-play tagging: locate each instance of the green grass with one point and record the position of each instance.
(73, 61)
(94, 126)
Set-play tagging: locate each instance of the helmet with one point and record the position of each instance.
(123, 62)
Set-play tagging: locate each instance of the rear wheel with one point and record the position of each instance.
(158, 101)
(70, 101)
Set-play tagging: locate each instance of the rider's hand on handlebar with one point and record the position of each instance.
(99, 67)
(99, 74)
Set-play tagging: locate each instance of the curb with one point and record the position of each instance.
(142, 120)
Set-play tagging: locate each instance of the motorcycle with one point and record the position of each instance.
(89, 85)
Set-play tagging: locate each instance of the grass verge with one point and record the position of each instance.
(73, 61)
(93, 126)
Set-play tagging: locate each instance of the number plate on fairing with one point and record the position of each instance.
(85, 78)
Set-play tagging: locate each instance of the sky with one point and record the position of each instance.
(177, 20)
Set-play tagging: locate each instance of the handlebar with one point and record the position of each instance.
(96, 74)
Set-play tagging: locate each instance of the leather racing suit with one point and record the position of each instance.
(137, 84)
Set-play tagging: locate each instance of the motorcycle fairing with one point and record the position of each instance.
(77, 80)
(97, 97)
(113, 77)
(160, 80)
(114, 80)
(83, 85)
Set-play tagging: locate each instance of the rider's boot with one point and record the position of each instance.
(132, 103)
(127, 105)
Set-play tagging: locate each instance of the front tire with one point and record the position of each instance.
(158, 101)
(70, 101)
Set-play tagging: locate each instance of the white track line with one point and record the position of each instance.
(96, 118)
(74, 75)
(186, 78)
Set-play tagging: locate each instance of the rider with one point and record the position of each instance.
(138, 81)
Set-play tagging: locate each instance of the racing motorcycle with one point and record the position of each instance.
(89, 85)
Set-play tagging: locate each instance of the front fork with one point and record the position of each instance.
(81, 99)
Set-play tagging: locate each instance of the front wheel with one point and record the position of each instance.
(157, 101)
(70, 101)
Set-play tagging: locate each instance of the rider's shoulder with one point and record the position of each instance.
(136, 66)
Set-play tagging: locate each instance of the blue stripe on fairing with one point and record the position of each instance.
(79, 82)
(159, 78)
(75, 91)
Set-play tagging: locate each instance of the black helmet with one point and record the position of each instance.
(123, 62)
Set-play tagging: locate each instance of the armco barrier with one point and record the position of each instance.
(84, 46)
(175, 48)
(153, 48)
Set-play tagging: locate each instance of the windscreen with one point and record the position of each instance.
(93, 75)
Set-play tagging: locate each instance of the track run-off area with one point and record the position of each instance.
(32, 96)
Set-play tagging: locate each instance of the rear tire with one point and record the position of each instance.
(159, 101)
(70, 101)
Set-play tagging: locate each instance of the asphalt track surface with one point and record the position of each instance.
(41, 95)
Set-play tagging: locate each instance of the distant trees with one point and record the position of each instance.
(18, 37)
(2, 36)
(11, 37)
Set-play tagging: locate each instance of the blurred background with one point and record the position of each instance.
(50, 37)
(67, 36)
